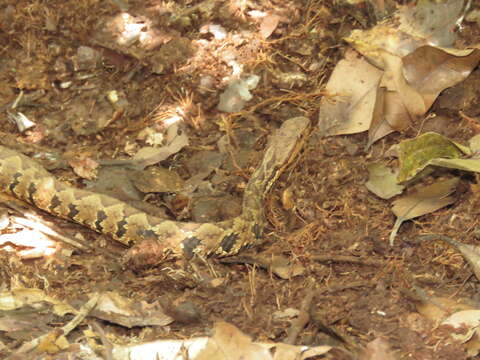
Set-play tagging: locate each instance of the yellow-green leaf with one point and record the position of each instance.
(416, 154)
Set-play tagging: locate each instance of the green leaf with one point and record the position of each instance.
(416, 154)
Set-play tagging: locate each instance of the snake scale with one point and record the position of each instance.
(27, 180)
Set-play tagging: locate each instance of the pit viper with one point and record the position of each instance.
(27, 180)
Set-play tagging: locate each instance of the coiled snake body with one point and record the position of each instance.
(29, 181)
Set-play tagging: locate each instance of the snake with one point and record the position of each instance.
(27, 180)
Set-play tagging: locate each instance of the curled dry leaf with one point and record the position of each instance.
(414, 72)
(227, 342)
(436, 309)
(412, 84)
(227, 339)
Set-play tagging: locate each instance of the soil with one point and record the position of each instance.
(94, 92)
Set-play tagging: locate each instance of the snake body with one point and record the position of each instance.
(27, 180)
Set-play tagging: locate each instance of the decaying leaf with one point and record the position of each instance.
(431, 70)
(151, 155)
(123, 311)
(227, 339)
(227, 343)
(467, 324)
(378, 349)
(268, 25)
(414, 71)
(349, 108)
(284, 268)
(52, 343)
(451, 312)
(24, 297)
(416, 154)
(389, 115)
(156, 179)
(425, 200)
(86, 168)
(432, 20)
(382, 181)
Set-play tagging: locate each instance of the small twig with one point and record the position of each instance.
(108, 352)
(246, 259)
(303, 318)
(65, 330)
(336, 288)
(346, 258)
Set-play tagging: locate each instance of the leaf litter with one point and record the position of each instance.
(403, 72)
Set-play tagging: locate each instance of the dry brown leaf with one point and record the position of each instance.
(437, 309)
(395, 81)
(431, 70)
(151, 155)
(425, 200)
(378, 349)
(117, 309)
(389, 115)
(434, 21)
(86, 168)
(352, 88)
(268, 25)
(230, 343)
(284, 268)
(383, 37)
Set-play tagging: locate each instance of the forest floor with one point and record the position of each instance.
(102, 79)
